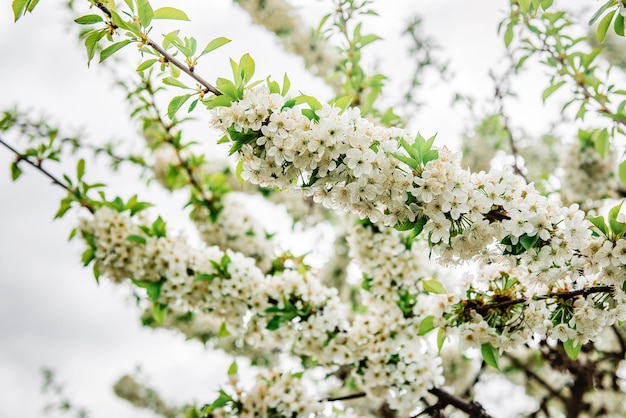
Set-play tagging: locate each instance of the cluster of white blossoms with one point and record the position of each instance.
(346, 162)
(289, 311)
(233, 226)
(274, 394)
(128, 388)
(279, 17)
(587, 177)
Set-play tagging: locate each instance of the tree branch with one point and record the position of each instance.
(472, 408)
(559, 295)
(169, 58)
(55, 181)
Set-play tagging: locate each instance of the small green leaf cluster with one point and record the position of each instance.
(221, 270)
(279, 315)
(420, 152)
(610, 12)
(615, 229)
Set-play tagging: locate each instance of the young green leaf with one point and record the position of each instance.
(171, 13)
(20, 7)
(232, 370)
(434, 286)
(91, 42)
(174, 82)
(146, 64)
(286, 85)
(112, 49)
(223, 332)
(175, 104)
(490, 355)
(145, 12)
(603, 27)
(88, 19)
(214, 44)
(600, 11)
(426, 325)
(571, 349)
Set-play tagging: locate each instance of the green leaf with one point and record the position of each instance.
(170, 13)
(146, 64)
(80, 169)
(223, 332)
(158, 227)
(508, 34)
(343, 102)
(204, 277)
(16, 171)
(434, 286)
(91, 41)
(618, 25)
(176, 104)
(174, 82)
(238, 171)
(614, 212)
(603, 27)
(118, 21)
(313, 103)
(274, 323)
(88, 256)
(136, 238)
(598, 222)
(602, 143)
(218, 101)
(247, 67)
(600, 11)
(441, 338)
(63, 208)
(490, 355)
(214, 44)
(20, 7)
(112, 49)
(88, 19)
(158, 312)
(618, 228)
(528, 242)
(551, 89)
(286, 85)
(572, 350)
(145, 12)
(232, 370)
(426, 325)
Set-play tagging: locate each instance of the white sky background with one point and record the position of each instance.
(52, 313)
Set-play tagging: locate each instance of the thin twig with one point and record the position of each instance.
(169, 58)
(45, 172)
(499, 93)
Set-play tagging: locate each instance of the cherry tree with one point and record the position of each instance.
(447, 268)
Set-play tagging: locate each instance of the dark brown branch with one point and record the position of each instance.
(345, 397)
(473, 409)
(558, 295)
(583, 292)
(55, 181)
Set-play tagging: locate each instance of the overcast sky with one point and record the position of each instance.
(52, 313)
